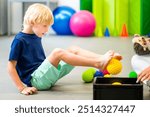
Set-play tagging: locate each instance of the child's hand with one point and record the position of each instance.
(29, 91)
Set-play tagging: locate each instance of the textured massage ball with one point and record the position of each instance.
(133, 74)
(114, 66)
(98, 73)
(116, 83)
(88, 75)
(105, 72)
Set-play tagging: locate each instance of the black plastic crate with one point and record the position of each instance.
(128, 90)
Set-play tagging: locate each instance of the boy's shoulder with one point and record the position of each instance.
(19, 37)
(141, 44)
(23, 37)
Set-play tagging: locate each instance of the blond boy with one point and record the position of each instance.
(27, 61)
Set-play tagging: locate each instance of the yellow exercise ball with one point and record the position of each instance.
(114, 66)
(116, 83)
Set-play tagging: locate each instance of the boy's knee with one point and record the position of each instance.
(57, 52)
(55, 55)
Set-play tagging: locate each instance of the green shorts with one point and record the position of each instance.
(46, 75)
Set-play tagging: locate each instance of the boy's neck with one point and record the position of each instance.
(27, 29)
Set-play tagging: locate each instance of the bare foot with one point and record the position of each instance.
(104, 59)
(117, 56)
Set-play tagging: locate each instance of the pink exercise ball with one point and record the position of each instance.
(82, 23)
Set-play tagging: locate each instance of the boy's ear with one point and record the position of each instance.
(31, 23)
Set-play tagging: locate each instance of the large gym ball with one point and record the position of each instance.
(62, 17)
(82, 23)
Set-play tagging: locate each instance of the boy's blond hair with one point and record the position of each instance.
(38, 14)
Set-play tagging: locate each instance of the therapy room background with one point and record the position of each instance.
(96, 25)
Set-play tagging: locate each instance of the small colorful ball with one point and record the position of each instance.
(105, 72)
(98, 73)
(107, 76)
(88, 75)
(133, 74)
(114, 66)
(116, 83)
(93, 70)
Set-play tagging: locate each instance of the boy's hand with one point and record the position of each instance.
(29, 91)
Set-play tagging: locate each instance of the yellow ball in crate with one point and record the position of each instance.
(116, 83)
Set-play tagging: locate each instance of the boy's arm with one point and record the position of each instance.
(15, 77)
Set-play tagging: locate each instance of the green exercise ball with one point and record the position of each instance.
(133, 74)
(88, 75)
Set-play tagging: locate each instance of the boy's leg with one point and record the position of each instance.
(82, 52)
(78, 60)
(52, 69)
(86, 53)
(46, 75)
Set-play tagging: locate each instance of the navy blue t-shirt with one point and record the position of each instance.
(27, 50)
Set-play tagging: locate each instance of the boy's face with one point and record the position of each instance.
(40, 29)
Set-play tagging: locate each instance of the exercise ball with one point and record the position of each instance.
(82, 23)
(62, 15)
(114, 66)
(133, 74)
(88, 75)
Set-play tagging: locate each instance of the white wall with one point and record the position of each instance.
(75, 4)
(17, 17)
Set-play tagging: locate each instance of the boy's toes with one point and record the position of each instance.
(117, 56)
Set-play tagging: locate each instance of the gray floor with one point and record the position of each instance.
(71, 87)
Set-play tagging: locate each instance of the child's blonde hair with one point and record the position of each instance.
(38, 14)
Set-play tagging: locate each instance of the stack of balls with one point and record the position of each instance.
(114, 67)
(68, 22)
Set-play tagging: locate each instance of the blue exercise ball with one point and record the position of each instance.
(62, 17)
(98, 73)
